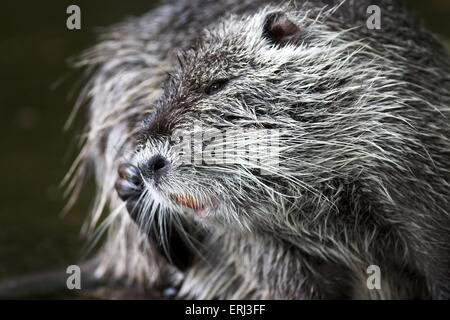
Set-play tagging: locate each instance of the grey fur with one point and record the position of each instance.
(365, 172)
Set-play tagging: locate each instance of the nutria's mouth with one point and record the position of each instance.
(190, 202)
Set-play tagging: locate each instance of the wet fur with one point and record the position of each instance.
(364, 177)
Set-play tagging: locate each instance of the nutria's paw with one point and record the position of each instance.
(129, 187)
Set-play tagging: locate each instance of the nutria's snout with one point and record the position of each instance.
(130, 184)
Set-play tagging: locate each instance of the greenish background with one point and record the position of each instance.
(34, 103)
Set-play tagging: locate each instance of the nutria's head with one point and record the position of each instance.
(297, 99)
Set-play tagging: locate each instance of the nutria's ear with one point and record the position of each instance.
(280, 30)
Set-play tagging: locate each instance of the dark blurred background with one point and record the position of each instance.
(35, 81)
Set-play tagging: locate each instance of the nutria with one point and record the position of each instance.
(363, 170)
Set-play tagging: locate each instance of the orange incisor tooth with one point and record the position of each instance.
(188, 201)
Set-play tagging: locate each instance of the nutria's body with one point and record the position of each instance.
(364, 171)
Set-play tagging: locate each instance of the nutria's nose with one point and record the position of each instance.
(157, 166)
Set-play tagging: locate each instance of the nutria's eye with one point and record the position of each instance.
(215, 85)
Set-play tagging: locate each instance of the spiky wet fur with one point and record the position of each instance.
(364, 172)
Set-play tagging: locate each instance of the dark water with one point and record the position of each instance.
(34, 47)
